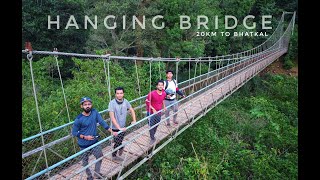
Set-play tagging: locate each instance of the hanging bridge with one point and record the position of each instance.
(53, 154)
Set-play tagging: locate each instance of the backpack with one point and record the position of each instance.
(167, 83)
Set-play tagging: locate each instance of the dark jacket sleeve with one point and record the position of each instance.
(179, 92)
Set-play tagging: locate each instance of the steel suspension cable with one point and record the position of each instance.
(105, 71)
(64, 96)
(159, 69)
(189, 74)
(107, 78)
(109, 86)
(29, 57)
(177, 69)
(150, 84)
(208, 73)
(200, 68)
(195, 72)
(138, 82)
(150, 77)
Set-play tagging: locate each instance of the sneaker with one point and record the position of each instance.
(176, 122)
(121, 152)
(116, 158)
(89, 178)
(168, 124)
(152, 141)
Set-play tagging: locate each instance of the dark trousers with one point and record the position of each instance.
(97, 152)
(152, 121)
(117, 141)
(174, 108)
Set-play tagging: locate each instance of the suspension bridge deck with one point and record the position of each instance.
(192, 108)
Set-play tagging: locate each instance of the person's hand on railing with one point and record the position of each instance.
(114, 133)
(154, 111)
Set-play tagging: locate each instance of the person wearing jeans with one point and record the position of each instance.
(118, 110)
(154, 103)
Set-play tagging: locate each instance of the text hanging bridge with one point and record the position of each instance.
(53, 153)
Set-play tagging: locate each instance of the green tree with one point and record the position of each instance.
(35, 25)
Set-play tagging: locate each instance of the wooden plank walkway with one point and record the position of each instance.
(139, 147)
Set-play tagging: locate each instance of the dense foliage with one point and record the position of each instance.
(251, 135)
(170, 41)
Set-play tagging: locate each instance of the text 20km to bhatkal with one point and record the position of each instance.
(240, 34)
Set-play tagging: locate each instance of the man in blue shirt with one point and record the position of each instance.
(85, 128)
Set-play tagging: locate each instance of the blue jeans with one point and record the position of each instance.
(97, 152)
(152, 121)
